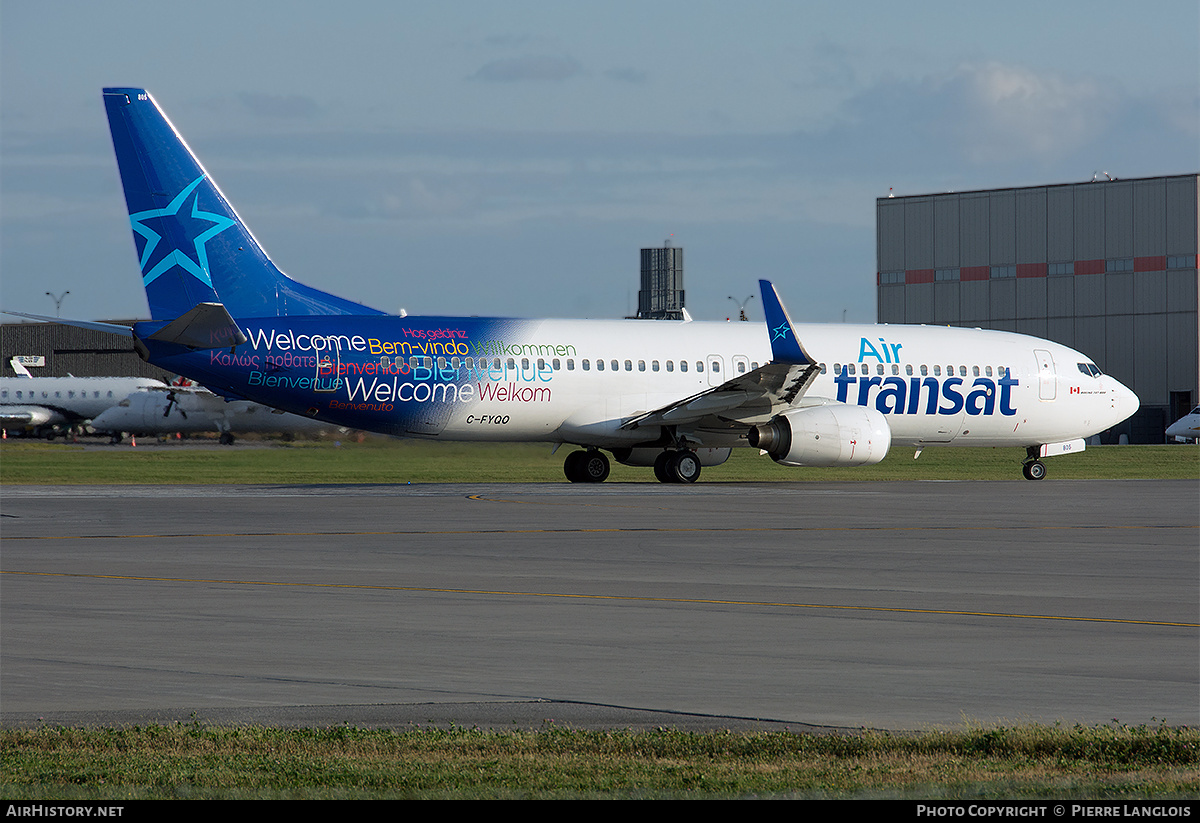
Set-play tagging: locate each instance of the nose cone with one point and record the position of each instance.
(1124, 402)
(108, 421)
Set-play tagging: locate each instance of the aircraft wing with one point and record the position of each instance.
(753, 397)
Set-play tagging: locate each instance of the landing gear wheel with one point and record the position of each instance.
(226, 439)
(684, 467)
(586, 466)
(661, 472)
(1034, 470)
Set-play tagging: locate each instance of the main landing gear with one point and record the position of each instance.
(681, 466)
(589, 466)
(671, 466)
(1033, 469)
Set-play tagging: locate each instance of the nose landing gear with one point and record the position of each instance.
(1032, 468)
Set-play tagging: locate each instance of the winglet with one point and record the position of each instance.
(785, 346)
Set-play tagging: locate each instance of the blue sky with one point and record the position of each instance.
(511, 158)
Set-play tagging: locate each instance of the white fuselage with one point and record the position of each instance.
(577, 381)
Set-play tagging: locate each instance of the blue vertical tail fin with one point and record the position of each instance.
(192, 246)
(785, 346)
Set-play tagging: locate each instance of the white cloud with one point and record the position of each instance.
(1010, 111)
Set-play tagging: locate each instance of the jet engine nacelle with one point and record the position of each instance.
(832, 435)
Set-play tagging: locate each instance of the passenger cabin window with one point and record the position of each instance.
(683, 365)
(670, 365)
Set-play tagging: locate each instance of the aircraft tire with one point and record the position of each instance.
(594, 466)
(586, 467)
(684, 467)
(571, 467)
(661, 471)
(1034, 470)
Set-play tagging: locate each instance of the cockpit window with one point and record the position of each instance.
(1090, 369)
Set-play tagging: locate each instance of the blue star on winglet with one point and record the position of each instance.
(196, 265)
(780, 332)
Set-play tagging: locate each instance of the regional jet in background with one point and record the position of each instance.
(192, 410)
(47, 406)
(1186, 427)
(674, 395)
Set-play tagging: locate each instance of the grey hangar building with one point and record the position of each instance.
(1107, 267)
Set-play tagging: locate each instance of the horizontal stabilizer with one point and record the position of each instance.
(206, 326)
(91, 325)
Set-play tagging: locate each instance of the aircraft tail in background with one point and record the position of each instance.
(192, 246)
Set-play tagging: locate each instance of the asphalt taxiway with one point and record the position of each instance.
(897, 605)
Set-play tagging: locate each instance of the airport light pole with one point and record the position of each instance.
(741, 304)
(57, 302)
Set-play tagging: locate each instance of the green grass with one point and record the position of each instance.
(383, 460)
(973, 762)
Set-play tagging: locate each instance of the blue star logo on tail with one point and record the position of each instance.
(780, 332)
(195, 229)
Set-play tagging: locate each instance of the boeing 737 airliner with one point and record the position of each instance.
(667, 394)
